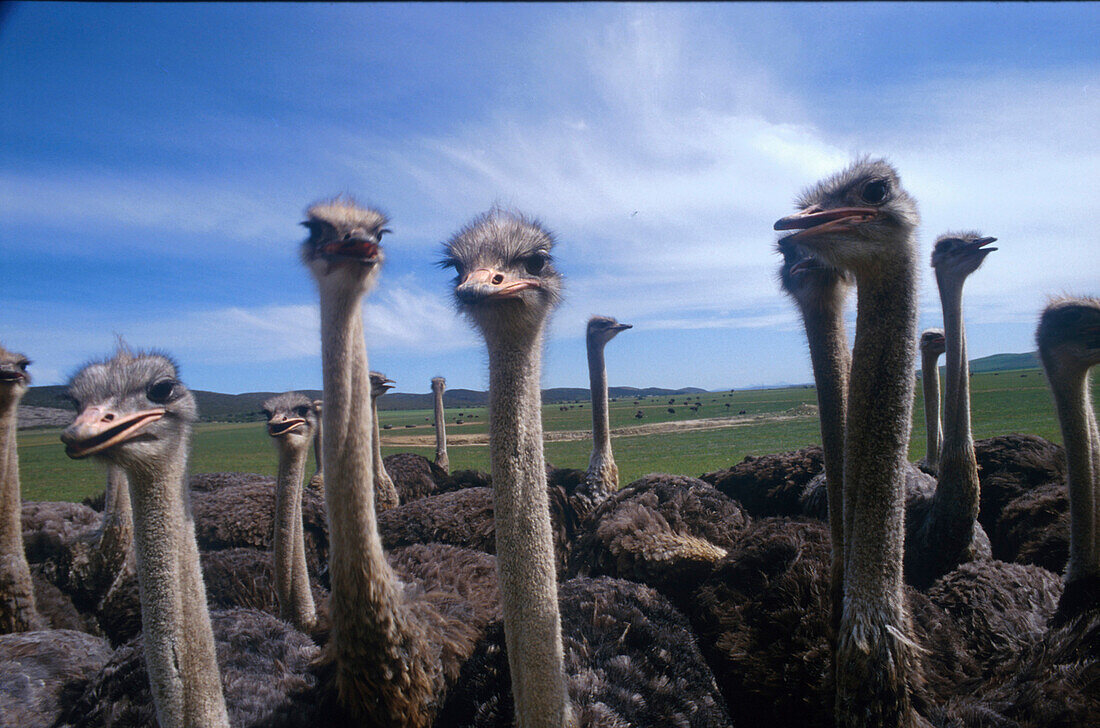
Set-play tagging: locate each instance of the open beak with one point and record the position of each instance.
(357, 246)
(815, 221)
(278, 429)
(980, 243)
(98, 428)
(488, 284)
(8, 376)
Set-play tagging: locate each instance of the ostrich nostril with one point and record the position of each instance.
(109, 417)
(498, 279)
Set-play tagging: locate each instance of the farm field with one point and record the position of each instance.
(678, 441)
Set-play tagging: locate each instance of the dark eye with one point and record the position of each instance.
(24, 364)
(302, 411)
(535, 263)
(875, 191)
(160, 392)
(266, 413)
(382, 232)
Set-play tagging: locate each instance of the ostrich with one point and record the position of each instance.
(317, 480)
(385, 492)
(819, 290)
(441, 459)
(602, 478)
(932, 345)
(942, 531)
(1069, 346)
(507, 285)
(863, 221)
(18, 611)
(395, 644)
(290, 423)
(134, 410)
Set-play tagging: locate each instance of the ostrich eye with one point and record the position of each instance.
(162, 391)
(382, 232)
(535, 263)
(266, 413)
(875, 191)
(301, 411)
(24, 364)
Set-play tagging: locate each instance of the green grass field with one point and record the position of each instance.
(1002, 402)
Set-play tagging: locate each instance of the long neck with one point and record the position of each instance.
(602, 470)
(441, 458)
(874, 650)
(116, 538)
(179, 643)
(930, 382)
(525, 549)
(18, 612)
(385, 492)
(1073, 402)
(372, 639)
(291, 575)
(950, 528)
(318, 448)
(828, 344)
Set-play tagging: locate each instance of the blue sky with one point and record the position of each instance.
(155, 161)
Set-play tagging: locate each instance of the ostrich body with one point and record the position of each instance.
(863, 221)
(1069, 346)
(134, 411)
(385, 492)
(602, 477)
(507, 285)
(947, 533)
(18, 612)
(393, 645)
(290, 423)
(932, 345)
(438, 385)
(819, 291)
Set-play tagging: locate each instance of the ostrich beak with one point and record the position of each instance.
(277, 429)
(486, 283)
(814, 221)
(98, 428)
(622, 327)
(980, 243)
(8, 375)
(356, 245)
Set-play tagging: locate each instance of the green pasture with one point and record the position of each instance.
(1002, 402)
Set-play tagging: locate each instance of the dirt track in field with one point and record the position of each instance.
(458, 439)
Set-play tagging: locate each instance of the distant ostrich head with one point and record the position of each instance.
(1069, 333)
(344, 244)
(933, 342)
(602, 329)
(14, 378)
(438, 383)
(132, 410)
(957, 255)
(805, 277)
(291, 419)
(850, 218)
(506, 281)
(379, 384)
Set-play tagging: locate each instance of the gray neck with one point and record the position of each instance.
(291, 574)
(875, 653)
(525, 549)
(179, 643)
(441, 458)
(116, 538)
(828, 343)
(1073, 402)
(372, 641)
(385, 492)
(950, 528)
(930, 382)
(318, 448)
(18, 612)
(603, 475)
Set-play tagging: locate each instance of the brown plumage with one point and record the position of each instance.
(770, 485)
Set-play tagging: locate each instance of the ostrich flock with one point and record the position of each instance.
(838, 585)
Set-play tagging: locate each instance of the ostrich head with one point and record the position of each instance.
(344, 244)
(933, 342)
(438, 383)
(1069, 333)
(379, 384)
(807, 278)
(132, 410)
(505, 277)
(14, 378)
(853, 217)
(291, 419)
(602, 329)
(957, 255)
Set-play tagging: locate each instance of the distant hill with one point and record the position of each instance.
(1001, 362)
